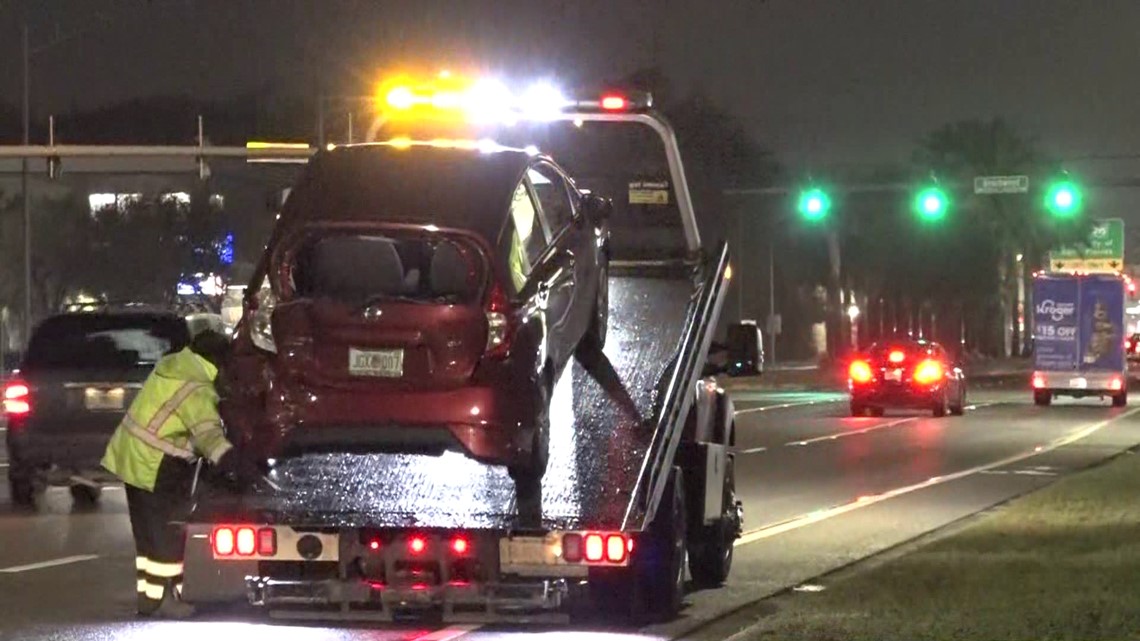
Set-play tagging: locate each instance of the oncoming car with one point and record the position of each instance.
(421, 298)
(913, 374)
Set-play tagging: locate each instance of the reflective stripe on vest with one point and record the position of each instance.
(171, 406)
(151, 439)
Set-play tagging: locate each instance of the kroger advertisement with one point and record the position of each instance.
(1079, 323)
(1055, 322)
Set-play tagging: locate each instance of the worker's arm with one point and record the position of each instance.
(199, 413)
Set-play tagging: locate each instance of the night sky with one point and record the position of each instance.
(818, 81)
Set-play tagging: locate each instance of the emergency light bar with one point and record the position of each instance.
(489, 100)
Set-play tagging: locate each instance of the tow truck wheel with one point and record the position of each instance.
(661, 564)
(857, 409)
(22, 492)
(710, 551)
(940, 407)
(85, 495)
(1042, 398)
(1120, 400)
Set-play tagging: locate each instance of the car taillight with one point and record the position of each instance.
(17, 399)
(1038, 381)
(261, 326)
(927, 372)
(1116, 384)
(498, 323)
(860, 372)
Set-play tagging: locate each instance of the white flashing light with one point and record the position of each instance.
(531, 150)
(488, 100)
(542, 101)
(487, 146)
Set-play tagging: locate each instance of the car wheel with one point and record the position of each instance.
(528, 474)
(959, 408)
(85, 495)
(1042, 398)
(22, 491)
(595, 337)
(940, 407)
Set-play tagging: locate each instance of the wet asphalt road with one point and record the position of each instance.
(820, 489)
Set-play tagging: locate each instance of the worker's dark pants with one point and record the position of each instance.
(158, 525)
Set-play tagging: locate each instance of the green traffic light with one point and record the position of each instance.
(931, 203)
(1063, 199)
(814, 204)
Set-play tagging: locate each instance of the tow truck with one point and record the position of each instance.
(640, 482)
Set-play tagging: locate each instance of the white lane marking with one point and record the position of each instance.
(784, 406)
(863, 501)
(838, 435)
(449, 633)
(67, 560)
(753, 450)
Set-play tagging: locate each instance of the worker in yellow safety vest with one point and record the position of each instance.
(170, 426)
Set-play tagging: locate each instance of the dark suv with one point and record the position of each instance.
(420, 298)
(78, 377)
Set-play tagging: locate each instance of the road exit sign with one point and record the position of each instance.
(1001, 184)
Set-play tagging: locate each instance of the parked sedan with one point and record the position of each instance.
(914, 374)
(421, 298)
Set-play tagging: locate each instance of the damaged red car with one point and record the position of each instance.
(420, 298)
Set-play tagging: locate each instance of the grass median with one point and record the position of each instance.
(1061, 563)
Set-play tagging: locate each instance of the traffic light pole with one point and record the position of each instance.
(26, 196)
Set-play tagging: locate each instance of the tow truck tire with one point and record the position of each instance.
(858, 409)
(85, 495)
(1120, 400)
(940, 407)
(710, 550)
(664, 553)
(1042, 398)
(22, 492)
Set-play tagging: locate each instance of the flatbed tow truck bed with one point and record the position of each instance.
(639, 472)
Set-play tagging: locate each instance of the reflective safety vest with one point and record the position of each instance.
(175, 414)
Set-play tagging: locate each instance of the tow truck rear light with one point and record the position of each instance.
(223, 539)
(17, 399)
(1038, 381)
(928, 372)
(1116, 384)
(460, 545)
(860, 372)
(572, 548)
(498, 323)
(417, 544)
(246, 541)
(897, 356)
(613, 102)
(266, 541)
(595, 548)
(615, 548)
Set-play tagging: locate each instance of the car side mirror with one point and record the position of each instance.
(596, 209)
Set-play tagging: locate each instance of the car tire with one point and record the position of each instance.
(85, 495)
(528, 474)
(711, 548)
(22, 491)
(940, 407)
(1042, 398)
(959, 408)
(594, 340)
(1120, 400)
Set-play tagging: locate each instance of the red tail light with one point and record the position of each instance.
(223, 539)
(246, 541)
(417, 544)
(460, 545)
(1038, 381)
(860, 372)
(17, 398)
(498, 323)
(572, 548)
(266, 541)
(1116, 385)
(896, 356)
(928, 372)
(595, 547)
(615, 548)
(613, 102)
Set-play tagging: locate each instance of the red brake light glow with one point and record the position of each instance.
(896, 356)
(928, 371)
(417, 544)
(860, 372)
(460, 545)
(595, 547)
(1116, 385)
(613, 102)
(16, 398)
(615, 548)
(498, 323)
(572, 548)
(374, 545)
(246, 541)
(1038, 381)
(223, 541)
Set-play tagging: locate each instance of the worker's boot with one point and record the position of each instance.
(147, 606)
(173, 607)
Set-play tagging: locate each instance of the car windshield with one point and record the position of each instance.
(104, 341)
(365, 268)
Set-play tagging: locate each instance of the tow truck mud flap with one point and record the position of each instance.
(206, 580)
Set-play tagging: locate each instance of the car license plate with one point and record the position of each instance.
(97, 399)
(893, 375)
(1078, 383)
(387, 363)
